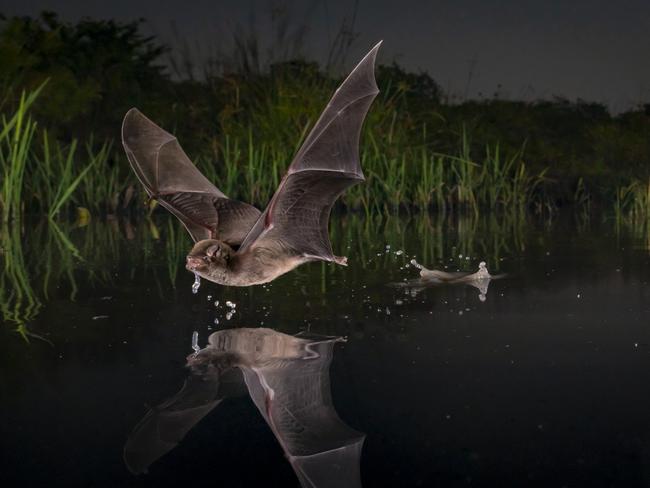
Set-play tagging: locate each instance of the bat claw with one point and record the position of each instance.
(342, 260)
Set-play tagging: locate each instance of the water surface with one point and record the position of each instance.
(544, 383)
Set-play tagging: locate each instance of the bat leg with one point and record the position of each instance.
(342, 260)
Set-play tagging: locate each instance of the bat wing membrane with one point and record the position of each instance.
(296, 219)
(170, 177)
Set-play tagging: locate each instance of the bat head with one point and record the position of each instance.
(208, 255)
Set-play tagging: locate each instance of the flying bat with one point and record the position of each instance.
(287, 378)
(236, 244)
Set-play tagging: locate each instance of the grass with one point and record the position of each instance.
(58, 177)
(43, 175)
(15, 144)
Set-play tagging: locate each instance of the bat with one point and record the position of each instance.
(287, 378)
(236, 244)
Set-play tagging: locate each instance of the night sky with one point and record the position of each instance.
(595, 50)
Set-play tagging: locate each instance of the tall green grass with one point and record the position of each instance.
(40, 173)
(15, 145)
(402, 166)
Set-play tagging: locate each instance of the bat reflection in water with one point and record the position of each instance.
(235, 244)
(287, 378)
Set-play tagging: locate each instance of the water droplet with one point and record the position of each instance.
(197, 284)
(195, 342)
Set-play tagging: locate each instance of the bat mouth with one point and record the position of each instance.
(195, 263)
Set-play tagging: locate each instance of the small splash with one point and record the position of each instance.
(482, 272)
(416, 264)
(195, 342)
(196, 284)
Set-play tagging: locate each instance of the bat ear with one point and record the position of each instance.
(214, 249)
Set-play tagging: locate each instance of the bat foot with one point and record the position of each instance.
(342, 260)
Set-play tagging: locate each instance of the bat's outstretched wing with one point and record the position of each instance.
(296, 219)
(165, 425)
(292, 392)
(170, 177)
(287, 378)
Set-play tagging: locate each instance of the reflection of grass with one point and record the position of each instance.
(177, 245)
(41, 260)
(433, 239)
(19, 302)
(58, 252)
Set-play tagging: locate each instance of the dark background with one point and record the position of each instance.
(594, 50)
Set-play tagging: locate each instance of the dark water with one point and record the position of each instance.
(545, 383)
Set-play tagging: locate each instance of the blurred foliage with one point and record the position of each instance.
(97, 70)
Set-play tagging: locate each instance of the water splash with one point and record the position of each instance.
(197, 284)
(416, 264)
(195, 342)
(482, 273)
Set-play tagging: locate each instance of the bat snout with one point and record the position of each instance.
(194, 262)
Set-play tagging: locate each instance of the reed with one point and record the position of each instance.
(15, 144)
(403, 169)
(45, 175)
(58, 172)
